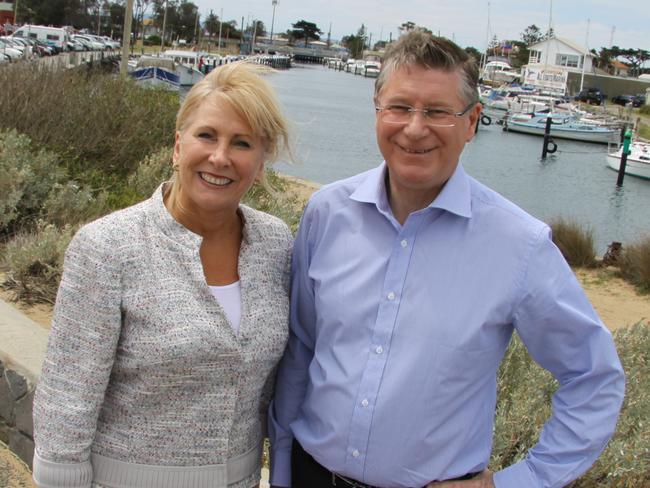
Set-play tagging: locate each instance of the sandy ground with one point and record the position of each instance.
(13, 472)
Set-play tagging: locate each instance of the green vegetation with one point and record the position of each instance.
(576, 242)
(635, 263)
(524, 392)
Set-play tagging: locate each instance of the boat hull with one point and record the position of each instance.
(590, 134)
(157, 77)
(633, 166)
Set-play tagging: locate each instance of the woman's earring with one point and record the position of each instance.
(174, 166)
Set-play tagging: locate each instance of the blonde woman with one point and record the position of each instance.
(172, 314)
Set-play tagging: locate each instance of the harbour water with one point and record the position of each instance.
(333, 119)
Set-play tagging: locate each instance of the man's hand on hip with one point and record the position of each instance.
(484, 480)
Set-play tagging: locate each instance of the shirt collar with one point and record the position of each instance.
(455, 196)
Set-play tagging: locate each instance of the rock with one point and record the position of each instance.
(17, 384)
(23, 415)
(22, 446)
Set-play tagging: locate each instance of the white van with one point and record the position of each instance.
(52, 36)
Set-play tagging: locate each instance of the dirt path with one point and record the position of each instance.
(13, 472)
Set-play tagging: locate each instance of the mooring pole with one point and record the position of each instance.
(627, 139)
(547, 137)
(126, 37)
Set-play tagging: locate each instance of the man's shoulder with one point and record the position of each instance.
(492, 208)
(339, 191)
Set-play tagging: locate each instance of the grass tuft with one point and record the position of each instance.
(634, 264)
(576, 242)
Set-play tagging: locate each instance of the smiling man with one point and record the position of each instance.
(408, 282)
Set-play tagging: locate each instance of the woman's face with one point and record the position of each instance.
(218, 157)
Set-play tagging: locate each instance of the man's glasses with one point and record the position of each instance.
(433, 117)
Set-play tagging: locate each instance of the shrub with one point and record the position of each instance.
(151, 172)
(634, 263)
(277, 200)
(27, 178)
(71, 204)
(524, 392)
(576, 242)
(645, 109)
(93, 121)
(35, 261)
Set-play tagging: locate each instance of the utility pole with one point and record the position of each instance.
(196, 26)
(99, 18)
(274, 3)
(162, 38)
(15, 12)
(126, 37)
(220, 24)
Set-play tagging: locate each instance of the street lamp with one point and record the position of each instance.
(274, 3)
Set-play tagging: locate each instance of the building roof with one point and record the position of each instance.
(618, 65)
(573, 45)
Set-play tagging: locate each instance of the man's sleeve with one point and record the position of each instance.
(564, 335)
(292, 376)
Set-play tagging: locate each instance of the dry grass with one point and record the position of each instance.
(576, 242)
(634, 264)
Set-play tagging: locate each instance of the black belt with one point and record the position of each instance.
(344, 482)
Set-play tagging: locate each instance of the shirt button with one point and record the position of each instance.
(355, 453)
(364, 402)
(404, 243)
(391, 296)
(379, 350)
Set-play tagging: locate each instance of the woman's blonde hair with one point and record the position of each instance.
(251, 96)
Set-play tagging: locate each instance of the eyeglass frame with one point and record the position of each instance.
(425, 111)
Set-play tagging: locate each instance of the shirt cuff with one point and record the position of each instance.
(516, 476)
(48, 474)
(280, 468)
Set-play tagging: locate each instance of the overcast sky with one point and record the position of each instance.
(465, 21)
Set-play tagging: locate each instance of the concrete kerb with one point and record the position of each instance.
(22, 349)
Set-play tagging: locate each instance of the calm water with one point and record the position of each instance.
(333, 118)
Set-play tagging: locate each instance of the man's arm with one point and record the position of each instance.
(564, 335)
(292, 377)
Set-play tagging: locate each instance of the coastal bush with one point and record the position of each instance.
(634, 263)
(576, 242)
(35, 262)
(71, 203)
(645, 110)
(100, 125)
(524, 392)
(151, 172)
(276, 200)
(27, 178)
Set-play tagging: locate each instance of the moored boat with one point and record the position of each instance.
(638, 161)
(562, 127)
(156, 72)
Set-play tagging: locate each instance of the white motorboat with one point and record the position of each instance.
(638, 161)
(156, 72)
(562, 127)
(190, 63)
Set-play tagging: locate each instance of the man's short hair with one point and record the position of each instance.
(419, 48)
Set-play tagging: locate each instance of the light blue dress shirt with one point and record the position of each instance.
(397, 332)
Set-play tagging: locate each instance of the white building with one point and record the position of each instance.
(551, 61)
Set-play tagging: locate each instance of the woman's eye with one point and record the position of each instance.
(243, 144)
(204, 135)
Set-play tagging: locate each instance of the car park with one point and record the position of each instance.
(591, 95)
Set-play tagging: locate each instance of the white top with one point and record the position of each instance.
(229, 297)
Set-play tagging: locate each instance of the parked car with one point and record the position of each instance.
(623, 99)
(639, 100)
(13, 53)
(591, 95)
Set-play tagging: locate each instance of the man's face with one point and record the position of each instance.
(420, 157)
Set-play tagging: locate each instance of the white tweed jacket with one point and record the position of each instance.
(145, 383)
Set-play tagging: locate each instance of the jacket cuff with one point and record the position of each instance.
(49, 474)
(280, 468)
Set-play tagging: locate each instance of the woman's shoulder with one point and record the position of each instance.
(262, 225)
(116, 227)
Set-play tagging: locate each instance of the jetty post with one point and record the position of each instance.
(627, 139)
(549, 146)
(126, 37)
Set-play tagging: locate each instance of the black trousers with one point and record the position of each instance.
(307, 473)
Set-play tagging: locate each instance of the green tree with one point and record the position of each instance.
(258, 25)
(305, 30)
(355, 43)
(635, 58)
(531, 35)
(475, 53)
